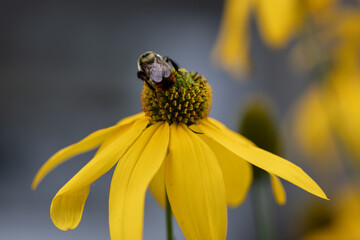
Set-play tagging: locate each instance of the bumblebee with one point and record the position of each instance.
(155, 71)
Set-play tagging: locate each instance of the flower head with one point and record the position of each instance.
(173, 147)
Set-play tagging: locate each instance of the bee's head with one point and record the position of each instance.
(147, 59)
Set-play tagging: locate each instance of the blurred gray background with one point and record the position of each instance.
(68, 68)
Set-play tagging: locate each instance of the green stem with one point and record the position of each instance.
(262, 212)
(169, 220)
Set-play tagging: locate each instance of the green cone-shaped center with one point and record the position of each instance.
(187, 101)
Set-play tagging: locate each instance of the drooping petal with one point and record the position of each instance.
(67, 205)
(131, 178)
(157, 186)
(277, 20)
(90, 142)
(278, 190)
(231, 50)
(212, 123)
(195, 186)
(237, 174)
(261, 158)
(74, 203)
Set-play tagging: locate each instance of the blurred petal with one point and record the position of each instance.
(276, 20)
(157, 186)
(87, 144)
(312, 127)
(278, 190)
(346, 91)
(231, 50)
(67, 214)
(195, 186)
(348, 33)
(318, 5)
(131, 178)
(262, 159)
(237, 174)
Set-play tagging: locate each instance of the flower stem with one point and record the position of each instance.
(262, 212)
(169, 220)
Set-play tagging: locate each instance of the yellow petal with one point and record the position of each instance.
(277, 20)
(65, 213)
(131, 119)
(237, 174)
(195, 186)
(131, 178)
(88, 143)
(262, 159)
(278, 190)
(210, 122)
(231, 50)
(74, 203)
(157, 186)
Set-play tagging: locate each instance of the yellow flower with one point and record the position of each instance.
(277, 20)
(174, 147)
(329, 112)
(341, 218)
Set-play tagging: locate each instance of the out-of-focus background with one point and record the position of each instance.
(68, 68)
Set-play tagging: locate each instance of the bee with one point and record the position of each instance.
(155, 71)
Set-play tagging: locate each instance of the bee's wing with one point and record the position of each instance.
(159, 72)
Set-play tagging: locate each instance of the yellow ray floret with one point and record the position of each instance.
(229, 141)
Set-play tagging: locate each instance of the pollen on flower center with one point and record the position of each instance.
(188, 101)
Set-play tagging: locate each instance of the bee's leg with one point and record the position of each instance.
(142, 76)
(169, 60)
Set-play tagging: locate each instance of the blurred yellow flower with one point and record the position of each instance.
(172, 147)
(329, 108)
(342, 221)
(324, 114)
(277, 20)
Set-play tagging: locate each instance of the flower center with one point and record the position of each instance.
(187, 101)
